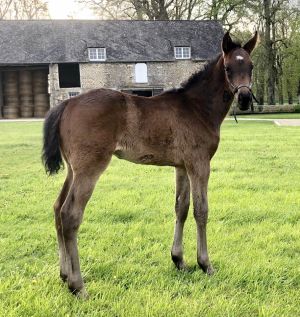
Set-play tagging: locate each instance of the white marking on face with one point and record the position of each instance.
(239, 57)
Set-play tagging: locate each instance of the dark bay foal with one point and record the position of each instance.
(179, 128)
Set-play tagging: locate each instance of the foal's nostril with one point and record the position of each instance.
(244, 100)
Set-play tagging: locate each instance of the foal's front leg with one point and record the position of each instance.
(199, 180)
(181, 208)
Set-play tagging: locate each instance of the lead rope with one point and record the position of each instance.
(253, 96)
(234, 112)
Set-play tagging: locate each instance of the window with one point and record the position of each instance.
(141, 74)
(182, 52)
(97, 54)
(73, 94)
(69, 75)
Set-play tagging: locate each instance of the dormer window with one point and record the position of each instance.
(97, 54)
(182, 52)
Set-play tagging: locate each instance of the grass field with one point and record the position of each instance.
(125, 239)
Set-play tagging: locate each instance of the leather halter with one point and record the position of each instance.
(236, 89)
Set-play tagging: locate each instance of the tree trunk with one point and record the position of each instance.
(269, 54)
(162, 14)
(298, 92)
(289, 91)
(280, 90)
(260, 84)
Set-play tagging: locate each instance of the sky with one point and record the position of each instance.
(65, 9)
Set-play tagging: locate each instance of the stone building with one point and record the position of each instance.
(140, 57)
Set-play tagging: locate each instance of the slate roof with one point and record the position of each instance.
(63, 41)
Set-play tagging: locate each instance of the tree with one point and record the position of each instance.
(5, 5)
(23, 9)
(30, 9)
(228, 12)
(143, 9)
(275, 18)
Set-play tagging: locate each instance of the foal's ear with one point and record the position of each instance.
(227, 43)
(249, 46)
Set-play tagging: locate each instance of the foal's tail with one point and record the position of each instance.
(51, 155)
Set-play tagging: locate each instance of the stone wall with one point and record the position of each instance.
(121, 76)
(57, 94)
(265, 109)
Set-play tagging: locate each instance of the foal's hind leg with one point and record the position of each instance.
(57, 209)
(181, 208)
(84, 181)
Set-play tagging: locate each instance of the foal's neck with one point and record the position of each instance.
(211, 95)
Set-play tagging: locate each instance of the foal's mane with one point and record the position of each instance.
(201, 74)
(195, 78)
(205, 71)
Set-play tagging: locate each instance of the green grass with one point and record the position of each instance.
(272, 116)
(125, 239)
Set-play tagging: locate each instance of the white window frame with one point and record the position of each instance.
(182, 52)
(73, 94)
(97, 54)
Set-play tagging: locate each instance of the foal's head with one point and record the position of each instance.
(238, 68)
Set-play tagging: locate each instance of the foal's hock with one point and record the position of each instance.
(179, 128)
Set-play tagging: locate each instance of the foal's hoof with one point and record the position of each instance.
(210, 270)
(78, 290)
(178, 261)
(207, 268)
(82, 294)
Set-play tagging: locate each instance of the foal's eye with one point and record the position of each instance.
(227, 69)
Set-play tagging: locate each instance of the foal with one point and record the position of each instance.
(179, 128)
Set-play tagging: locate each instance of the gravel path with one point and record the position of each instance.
(288, 122)
(279, 122)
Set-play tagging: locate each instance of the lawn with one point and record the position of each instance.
(126, 236)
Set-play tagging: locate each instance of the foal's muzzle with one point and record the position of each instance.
(244, 95)
(244, 99)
